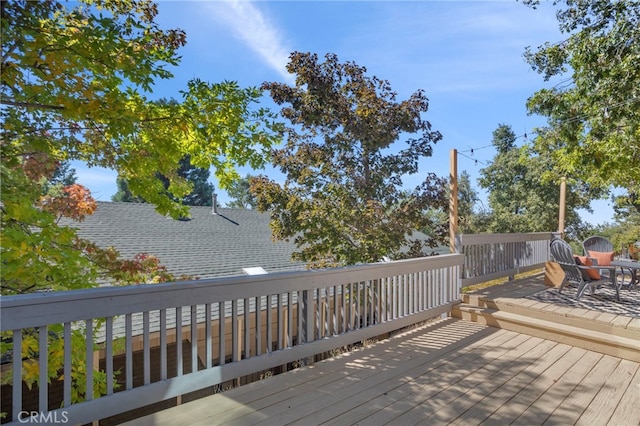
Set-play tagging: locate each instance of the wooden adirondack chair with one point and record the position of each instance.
(563, 255)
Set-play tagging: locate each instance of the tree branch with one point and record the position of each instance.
(31, 105)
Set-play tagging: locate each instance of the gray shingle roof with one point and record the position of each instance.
(205, 246)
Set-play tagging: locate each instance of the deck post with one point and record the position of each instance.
(453, 199)
(563, 202)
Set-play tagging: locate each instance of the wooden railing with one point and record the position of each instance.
(175, 338)
(491, 256)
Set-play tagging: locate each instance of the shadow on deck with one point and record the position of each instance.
(447, 372)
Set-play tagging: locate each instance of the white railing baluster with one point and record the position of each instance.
(163, 344)
(290, 319)
(327, 312)
(280, 320)
(247, 329)
(269, 310)
(43, 371)
(387, 299)
(413, 293)
(420, 291)
(395, 297)
(372, 301)
(66, 369)
(431, 289)
(17, 374)
(179, 361)
(319, 317)
(441, 291)
(356, 306)
(208, 338)
(365, 304)
(384, 312)
(336, 320)
(425, 290)
(258, 312)
(222, 337)
(343, 308)
(406, 289)
(88, 396)
(235, 338)
(146, 349)
(108, 358)
(128, 352)
(194, 338)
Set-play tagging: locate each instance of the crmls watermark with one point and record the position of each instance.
(45, 418)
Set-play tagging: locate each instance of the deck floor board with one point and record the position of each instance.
(447, 372)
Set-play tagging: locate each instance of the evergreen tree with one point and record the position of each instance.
(64, 175)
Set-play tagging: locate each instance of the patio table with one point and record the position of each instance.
(633, 266)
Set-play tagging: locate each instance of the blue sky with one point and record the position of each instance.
(466, 55)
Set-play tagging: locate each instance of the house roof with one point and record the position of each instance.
(205, 246)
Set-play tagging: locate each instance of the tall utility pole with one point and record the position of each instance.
(453, 199)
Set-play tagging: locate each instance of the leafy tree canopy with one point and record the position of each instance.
(519, 199)
(593, 115)
(342, 201)
(467, 201)
(240, 193)
(197, 177)
(75, 84)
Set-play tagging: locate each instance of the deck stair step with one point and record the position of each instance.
(620, 340)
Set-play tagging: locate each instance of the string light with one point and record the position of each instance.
(472, 150)
(605, 111)
(476, 161)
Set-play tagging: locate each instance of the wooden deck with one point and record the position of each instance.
(596, 322)
(447, 372)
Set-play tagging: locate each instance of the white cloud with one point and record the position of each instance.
(255, 29)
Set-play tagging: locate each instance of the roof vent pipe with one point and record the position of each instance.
(214, 207)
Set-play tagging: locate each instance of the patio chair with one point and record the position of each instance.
(601, 249)
(581, 275)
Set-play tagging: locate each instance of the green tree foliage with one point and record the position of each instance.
(75, 81)
(123, 194)
(75, 84)
(626, 229)
(347, 151)
(593, 115)
(468, 217)
(240, 193)
(519, 198)
(197, 177)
